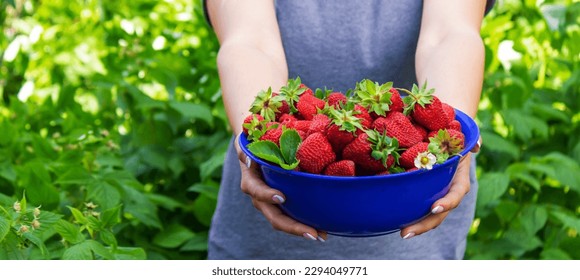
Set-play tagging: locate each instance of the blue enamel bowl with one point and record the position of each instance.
(364, 206)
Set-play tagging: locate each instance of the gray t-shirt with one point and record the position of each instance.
(334, 44)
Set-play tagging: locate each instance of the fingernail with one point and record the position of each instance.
(320, 239)
(409, 235)
(248, 162)
(437, 209)
(278, 198)
(308, 236)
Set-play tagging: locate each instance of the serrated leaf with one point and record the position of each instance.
(78, 215)
(173, 236)
(196, 243)
(37, 242)
(208, 189)
(568, 220)
(104, 194)
(289, 142)
(207, 168)
(130, 253)
(81, 251)
(497, 143)
(75, 175)
(193, 111)
(111, 217)
(267, 150)
(554, 254)
(98, 249)
(492, 186)
(533, 218)
(525, 125)
(69, 232)
(566, 169)
(4, 228)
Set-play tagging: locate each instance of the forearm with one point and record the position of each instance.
(454, 67)
(245, 70)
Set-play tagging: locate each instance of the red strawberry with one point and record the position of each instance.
(273, 135)
(283, 109)
(249, 120)
(372, 152)
(338, 138)
(302, 134)
(398, 126)
(407, 159)
(412, 169)
(386, 172)
(287, 118)
(421, 132)
(267, 104)
(449, 111)
(425, 108)
(335, 99)
(320, 123)
(363, 114)
(445, 143)
(307, 89)
(299, 125)
(340, 168)
(454, 124)
(396, 101)
(308, 106)
(315, 153)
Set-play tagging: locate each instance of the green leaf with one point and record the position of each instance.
(99, 249)
(138, 205)
(78, 215)
(203, 208)
(196, 243)
(266, 150)
(69, 232)
(165, 201)
(533, 218)
(568, 220)
(173, 236)
(81, 251)
(207, 168)
(104, 194)
(210, 189)
(130, 253)
(496, 143)
(554, 254)
(525, 125)
(4, 227)
(566, 169)
(75, 175)
(492, 186)
(193, 111)
(289, 142)
(37, 242)
(111, 217)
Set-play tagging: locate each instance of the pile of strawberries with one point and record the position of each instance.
(370, 131)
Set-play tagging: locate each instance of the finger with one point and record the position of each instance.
(283, 223)
(477, 146)
(322, 236)
(253, 186)
(459, 188)
(425, 225)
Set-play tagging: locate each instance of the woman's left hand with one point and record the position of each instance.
(460, 186)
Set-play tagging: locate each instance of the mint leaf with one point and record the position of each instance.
(267, 150)
(289, 142)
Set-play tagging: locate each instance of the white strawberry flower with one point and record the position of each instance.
(425, 160)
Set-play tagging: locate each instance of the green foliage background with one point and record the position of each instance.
(113, 127)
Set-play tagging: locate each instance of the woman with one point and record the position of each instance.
(335, 44)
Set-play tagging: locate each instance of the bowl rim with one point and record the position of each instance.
(458, 115)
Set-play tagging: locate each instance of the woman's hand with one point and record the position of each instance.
(460, 186)
(267, 199)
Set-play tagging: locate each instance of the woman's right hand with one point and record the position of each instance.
(267, 199)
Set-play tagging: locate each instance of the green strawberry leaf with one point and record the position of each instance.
(290, 166)
(289, 142)
(267, 150)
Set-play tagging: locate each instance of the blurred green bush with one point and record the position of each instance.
(114, 131)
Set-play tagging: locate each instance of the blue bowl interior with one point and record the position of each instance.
(364, 205)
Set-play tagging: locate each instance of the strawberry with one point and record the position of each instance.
(342, 128)
(335, 99)
(386, 172)
(449, 111)
(267, 104)
(284, 108)
(307, 90)
(425, 108)
(338, 138)
(299, 125)
(374, 96)
(396, 101)
(315, 153)
(308, 106)
(286, 118)
(372, 152)
(363, 114)
(273, 135)
(396, 125)
(292, 92)
(421, 132)
(454, 124)
(340, 168)
(407, 159)
(449, 141)
(319, 123)
(250, 122)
